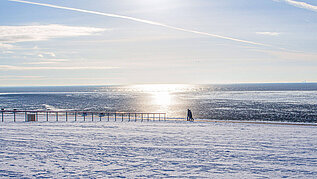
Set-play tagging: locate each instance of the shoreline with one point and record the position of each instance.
(258, 122)
(249, 122)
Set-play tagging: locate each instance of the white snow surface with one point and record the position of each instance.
(156, 149)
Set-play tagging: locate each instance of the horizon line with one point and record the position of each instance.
(96, 85)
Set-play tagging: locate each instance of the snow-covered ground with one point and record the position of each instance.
(157, 149)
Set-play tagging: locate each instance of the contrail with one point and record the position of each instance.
(301, 5)
(144, 21)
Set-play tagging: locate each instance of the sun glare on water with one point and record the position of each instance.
(161, 94)
(162, 98)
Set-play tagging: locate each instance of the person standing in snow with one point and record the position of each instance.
(189, 115)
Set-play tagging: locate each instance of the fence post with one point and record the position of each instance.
(92, 116)
(14, 114)
(75, 116)
(134, 117)
(122, 117)
(142, 117)
(37, 116)
(66, 116)
(108, 116)
(25, 116)
(115, 116)
(46, 116)
(129, 117)
(2, 115)
(56, 116)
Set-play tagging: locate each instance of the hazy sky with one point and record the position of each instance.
(97, 42)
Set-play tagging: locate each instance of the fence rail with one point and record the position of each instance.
(44, 115)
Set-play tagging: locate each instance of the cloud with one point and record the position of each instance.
(6, 46)
(43, 78)
(300, 4)
(268, 33)
(18, 77)
(299, 56)
(49, 54)
(144, 21)
(11, 67)
(290, 55)
(47, 61)
(14, 34)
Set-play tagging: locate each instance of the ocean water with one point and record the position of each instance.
(296, 102)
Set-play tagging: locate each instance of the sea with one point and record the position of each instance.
(293, 102)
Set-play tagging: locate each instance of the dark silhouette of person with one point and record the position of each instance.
(189, 115)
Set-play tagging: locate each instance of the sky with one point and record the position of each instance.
(104, 42)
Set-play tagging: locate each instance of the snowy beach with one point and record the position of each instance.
(157, 149)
